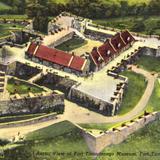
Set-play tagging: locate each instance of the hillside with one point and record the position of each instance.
(60, 141)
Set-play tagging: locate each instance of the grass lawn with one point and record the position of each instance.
(21, 87)
(154, 102)
(61, 1)
(52, 131)
(144, 140)
(149, 63)
(59, 141)
(151, 23)
(62, 137)
(135, 90)
(102, 126)
(6, 28)
(12, 17)
(152, 64)
(72, 44)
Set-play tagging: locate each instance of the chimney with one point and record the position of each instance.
(94, 49)
(118, 34)
(107, 40)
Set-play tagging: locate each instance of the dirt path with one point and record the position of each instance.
(9, 133)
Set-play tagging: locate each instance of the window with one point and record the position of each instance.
(119, 45)
(128, 39)
(99, 59)
(108, 52)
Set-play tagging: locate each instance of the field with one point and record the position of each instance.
(135, 90)
(59, 141)
(144, 141)
(21, 87)
(60, 1)
(145, 25)
(11, 17)
(154, 102)
(145, 63)
(149, 63)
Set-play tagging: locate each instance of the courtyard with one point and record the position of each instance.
(72, 44)
(21, 87)
(86, 48)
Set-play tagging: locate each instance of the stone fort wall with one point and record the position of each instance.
(98, 105)
(91, 102)
(22, 70)
(25, 104)
(97, 143)
(62, 40)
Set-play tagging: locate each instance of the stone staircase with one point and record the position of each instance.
(37, 77)
(2, 81)
(79, 34)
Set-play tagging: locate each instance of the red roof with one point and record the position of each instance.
(77, 63)
(111, 47)
(95, 56)
(117, 42)
(56, 56)
(32, 48)
(127, 37)
(53, 55)
(106, 51)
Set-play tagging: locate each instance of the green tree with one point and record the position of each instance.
(139, 26)
(38, 11)
(154, 7)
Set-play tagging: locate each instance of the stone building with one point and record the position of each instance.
(57, 59)
(100, 56)
(45, 101)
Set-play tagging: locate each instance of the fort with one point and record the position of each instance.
(21, 103)
(42, 57)
(83, 78)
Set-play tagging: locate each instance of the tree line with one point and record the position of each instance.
(88, 8)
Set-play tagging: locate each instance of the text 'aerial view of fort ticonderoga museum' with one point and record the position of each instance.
(79, 79)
